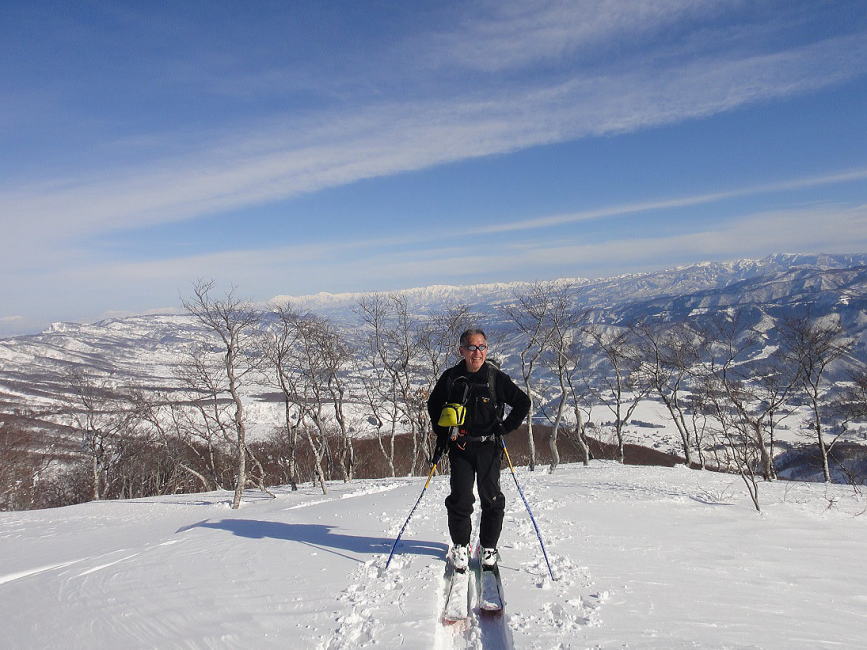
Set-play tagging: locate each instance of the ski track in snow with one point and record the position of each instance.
(559, 608)
(62, 565)
(32, 572)
(555, 608)
(367, 491)
(643, 558)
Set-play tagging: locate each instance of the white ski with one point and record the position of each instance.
(457, 592)
(491, 598)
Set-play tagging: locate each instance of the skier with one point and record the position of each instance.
(473, 443)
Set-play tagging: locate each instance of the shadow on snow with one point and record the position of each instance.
(321, 537)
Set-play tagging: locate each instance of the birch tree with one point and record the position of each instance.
(813, 346)
(25, 460)
(390, 379)
(322, 359)
(103, 419)
(337, 354)
(563, 324)
(529, 317)
(169, 424)
(285, 349)
(667, 356)
(615, 381)
(580, 394)
(741, 452)
(234, 327)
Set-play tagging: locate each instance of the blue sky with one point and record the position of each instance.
(298, 147)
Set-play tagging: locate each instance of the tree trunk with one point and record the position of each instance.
(206, 485)
(241, 475)
(531, 443)
(677, 417)
(96, 481)
(317, 460)
(771, 441)
(582, 438)
(552, 438)
(826, 470)
(240, 447)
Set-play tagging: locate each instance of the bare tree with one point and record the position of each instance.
(234, 325)
(205, 415)
(813, 346)
(848, 408)
(746, 396)
(391, 380)
(407, 373)
(530, 316)
(287, 347)
(322, 360)
(853, 402)
(580, 394)
(438, 338)
(337, 355)
(25, 459)
(104, 419)
(773, 383)
(615, 382)
(169, 424)
(667, 356)
(741, 452)
(563, 324)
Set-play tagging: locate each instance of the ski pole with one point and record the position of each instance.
(397, 539)
(530, 512)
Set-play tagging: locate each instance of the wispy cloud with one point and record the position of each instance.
(288, 159)
(502, 35)
(832, 229)
(11, 319)
(348, 266)
(678, 202)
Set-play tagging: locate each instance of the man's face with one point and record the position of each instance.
(474, 359)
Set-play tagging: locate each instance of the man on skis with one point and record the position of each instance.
(473, 442)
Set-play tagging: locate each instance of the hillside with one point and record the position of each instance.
(143, 350)
(143, 354)
(644, 558)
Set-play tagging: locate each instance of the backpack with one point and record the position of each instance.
(493, 371)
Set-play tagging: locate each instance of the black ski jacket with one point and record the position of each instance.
(482, 417)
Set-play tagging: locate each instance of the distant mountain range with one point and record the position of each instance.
(143, 349)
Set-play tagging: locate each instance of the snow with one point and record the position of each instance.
(644, 558)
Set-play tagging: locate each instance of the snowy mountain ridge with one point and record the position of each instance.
(605, 290)
(143, 349)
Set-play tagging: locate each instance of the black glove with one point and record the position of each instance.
(439, 450)
(499, 430)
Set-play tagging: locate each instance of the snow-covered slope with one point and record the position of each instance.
(644, 558)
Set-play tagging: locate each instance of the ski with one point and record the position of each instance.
(457, 596)
(491, 599)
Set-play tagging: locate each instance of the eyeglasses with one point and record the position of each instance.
(473, 348)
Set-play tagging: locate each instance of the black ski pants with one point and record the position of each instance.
(479, 461)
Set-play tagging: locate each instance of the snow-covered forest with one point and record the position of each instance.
(286, 395)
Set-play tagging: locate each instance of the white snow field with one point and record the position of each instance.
(644, 558)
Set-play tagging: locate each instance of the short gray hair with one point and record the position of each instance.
(470, 332)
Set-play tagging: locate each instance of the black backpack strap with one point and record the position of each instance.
(450, 381)
(493, 371)
(492, 386)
